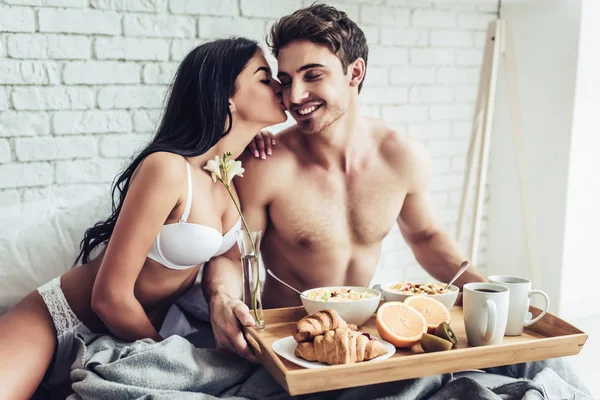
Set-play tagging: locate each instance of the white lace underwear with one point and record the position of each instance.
(63, 316)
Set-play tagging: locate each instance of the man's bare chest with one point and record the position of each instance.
(317, 210)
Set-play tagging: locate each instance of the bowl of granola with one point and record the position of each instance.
(355, 304)
(400, 291)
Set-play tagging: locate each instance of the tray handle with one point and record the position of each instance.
(253, 344)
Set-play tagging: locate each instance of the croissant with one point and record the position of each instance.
(317, 324)
(340, 346)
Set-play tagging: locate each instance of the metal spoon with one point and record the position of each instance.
(291, 287)
(463, 268)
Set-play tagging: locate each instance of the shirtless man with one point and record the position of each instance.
(334, 186)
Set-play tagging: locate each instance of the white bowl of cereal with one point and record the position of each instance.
(400, 291)
(355, 304)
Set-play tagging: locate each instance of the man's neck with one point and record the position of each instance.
(341, 144)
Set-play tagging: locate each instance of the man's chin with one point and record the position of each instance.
(313, 126)
(308, 127)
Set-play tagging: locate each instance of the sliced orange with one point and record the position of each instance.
(400, 324)
(434, 312)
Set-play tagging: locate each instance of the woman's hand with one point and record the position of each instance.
(261, 145)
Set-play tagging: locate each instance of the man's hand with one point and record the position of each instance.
(262, 145)
(227, 316)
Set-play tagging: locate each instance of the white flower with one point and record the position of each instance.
(232, 169)
(214, 167)
(223, 169)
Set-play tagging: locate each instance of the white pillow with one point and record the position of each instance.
(33, 251)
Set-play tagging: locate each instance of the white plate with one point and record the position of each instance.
(285, 348)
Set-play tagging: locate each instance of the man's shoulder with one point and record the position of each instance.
(292, 140)
(282, 151)
(401, 152)
(275, 166)
(394, 145)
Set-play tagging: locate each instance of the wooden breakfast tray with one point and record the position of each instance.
(549, 338)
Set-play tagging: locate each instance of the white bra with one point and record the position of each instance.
(183, 245)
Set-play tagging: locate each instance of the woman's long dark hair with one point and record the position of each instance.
(196, 117)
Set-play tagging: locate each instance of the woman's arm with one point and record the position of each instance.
(153, 193)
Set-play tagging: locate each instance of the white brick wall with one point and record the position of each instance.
(385, 16)
(159, 73)
(131, 49)
(47, 46)
(49, 148)
(4, 151)
(207, 7)
(17, 123)
(79, 21)
(53, 98)
(82, 84)
(49, 3)
(76, 122)
(159, 26)
(101, 72)
(17, 19)
(3, 99)
(150, 6)
(124, 145)
(14, 72)
(131, 96)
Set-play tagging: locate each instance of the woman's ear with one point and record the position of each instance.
(356, 72)
(231, 106)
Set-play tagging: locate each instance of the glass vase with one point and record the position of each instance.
(249, 245)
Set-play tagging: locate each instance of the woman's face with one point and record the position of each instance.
(257, 99)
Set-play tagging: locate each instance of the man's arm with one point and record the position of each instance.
(434, 249)
(222, 276)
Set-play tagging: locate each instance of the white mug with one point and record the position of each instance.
(485, 307)
(520, 295)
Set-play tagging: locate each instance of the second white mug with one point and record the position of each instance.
(520, 294)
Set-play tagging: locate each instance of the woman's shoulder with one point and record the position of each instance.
(163, 166)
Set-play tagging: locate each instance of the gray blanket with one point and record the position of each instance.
(107, 368)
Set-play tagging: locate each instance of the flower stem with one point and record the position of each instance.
(255, 253)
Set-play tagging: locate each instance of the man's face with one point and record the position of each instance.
(315, 88)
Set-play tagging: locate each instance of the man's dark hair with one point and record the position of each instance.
(323, 25)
